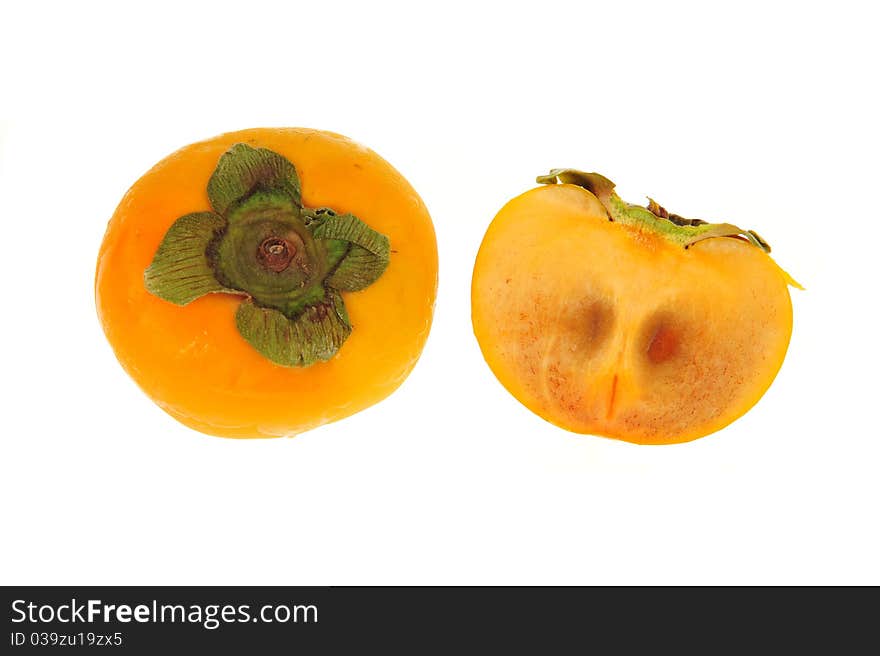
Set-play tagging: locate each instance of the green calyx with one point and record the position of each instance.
(653, 217)
(290, 262)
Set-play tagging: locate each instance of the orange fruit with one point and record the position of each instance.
(624, 321)
(268, 281)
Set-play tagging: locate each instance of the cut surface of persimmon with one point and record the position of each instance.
(624, 321)
(267, 281)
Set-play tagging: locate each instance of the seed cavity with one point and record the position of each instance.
(599, 319)
(585, 326)
(664, 344)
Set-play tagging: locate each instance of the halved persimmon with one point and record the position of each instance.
(624, 321)
(267, 281)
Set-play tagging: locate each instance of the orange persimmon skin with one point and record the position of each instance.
(192, 361)
(613, 330)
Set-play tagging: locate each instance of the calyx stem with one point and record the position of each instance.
(291, 263)
(654, 217)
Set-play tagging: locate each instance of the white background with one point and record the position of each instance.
(763, 114)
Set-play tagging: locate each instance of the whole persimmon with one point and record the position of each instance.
(624, 321)
(268, 281)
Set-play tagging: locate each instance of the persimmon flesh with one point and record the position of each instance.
(614, 320)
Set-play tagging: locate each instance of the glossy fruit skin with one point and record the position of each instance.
(607, 329)
(192, 361)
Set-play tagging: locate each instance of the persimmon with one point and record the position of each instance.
(268, 281)
(624, 321)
